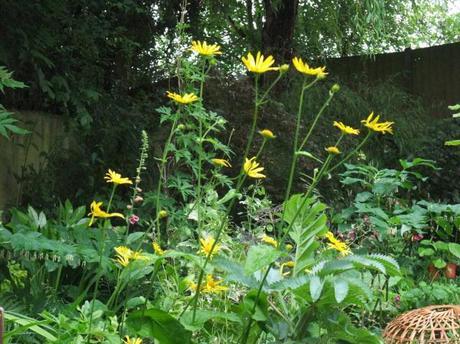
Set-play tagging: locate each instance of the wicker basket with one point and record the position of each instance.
(429, 325)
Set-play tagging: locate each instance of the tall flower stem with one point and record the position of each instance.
(254, 118)
(101, 254)
(295, 148)
(200, 144)
(162, 173)
(353, 152)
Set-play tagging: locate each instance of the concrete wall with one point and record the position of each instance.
(27, 150)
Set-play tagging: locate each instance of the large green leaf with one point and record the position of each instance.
(259, 257)
(202, 316)
(155, 323)
(308, 220)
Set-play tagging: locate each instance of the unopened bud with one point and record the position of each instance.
(284, 68)
(129, 207)
(162, 214)
(180, 127)
(335, 88)
(138, 189)
(138, 199)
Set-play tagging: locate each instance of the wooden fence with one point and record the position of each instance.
(431, 73)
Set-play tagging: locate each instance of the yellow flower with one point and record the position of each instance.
(192, 285)
(123, 255)
(128, 340)
(304, 68)
(337, 244)
(96, 211)
(116, 178)
(259, 64)
(138, 256)
(187, 98)
(269, 240)
(205, 49)
(268, 134)
(288, 264)
(213, 286)
(373, 124)
(333, 150)
(221, 162)
(346, 129)
(206, 246)
(157, 248)
(252, 169)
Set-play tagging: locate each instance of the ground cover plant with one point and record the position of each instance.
(172, 264)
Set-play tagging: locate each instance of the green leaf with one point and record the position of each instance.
(439, 263)
(452, 143)
(203, 316)
(310, 222)
(259, 257)
(454, 249)
(155, 323)
(340, 289)
(316, 287)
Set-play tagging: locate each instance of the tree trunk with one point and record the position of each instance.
(278, 30)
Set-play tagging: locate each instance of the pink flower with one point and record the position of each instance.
(417, 237)
(133, 219)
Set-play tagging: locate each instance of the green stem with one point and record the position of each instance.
(101, 254)
(353, 152)
(200, 150)
(305, 87)
(254, 119)
(318, 115)
(161, 172)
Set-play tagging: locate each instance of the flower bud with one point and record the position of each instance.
(335, 88)
(180, 127)
(162, 214)
(138, 199)
(129, 207)
(284, 68)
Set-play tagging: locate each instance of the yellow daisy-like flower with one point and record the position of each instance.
(221, 162)
(116, 178)
(205, 49)
(373, 124)
(333, 150)
(206, 246)
(260, 64)
(157, 248)
(269, 240)
(266, 133)
(123, 255)
(337, 245)
(252, 169)
(187, 98)
(213, 286)
(129, 340)
(96, 211)
(304, 68)
(346, 129)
